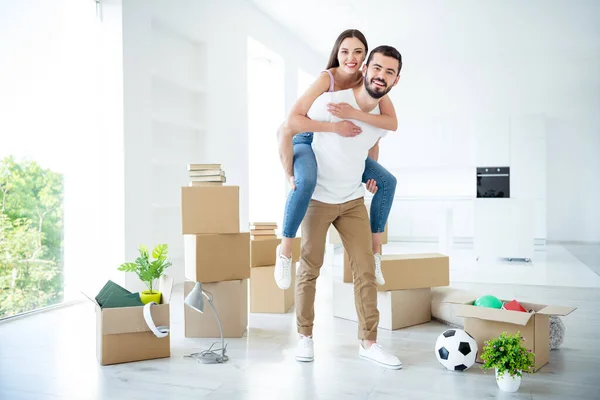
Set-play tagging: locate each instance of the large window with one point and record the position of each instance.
(266, 112)
(304, 81)
(49, 153)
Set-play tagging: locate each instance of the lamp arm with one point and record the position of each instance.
(218, 321)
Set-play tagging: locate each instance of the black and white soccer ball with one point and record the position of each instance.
(456, 350)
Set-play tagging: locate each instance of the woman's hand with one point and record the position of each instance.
(372, 186)
(342, 110)
(347, 128)
(292, 182)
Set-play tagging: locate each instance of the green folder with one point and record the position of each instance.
(113, 295)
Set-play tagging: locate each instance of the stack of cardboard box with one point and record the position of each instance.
(265, 295)
(218, 255)
(405, 299)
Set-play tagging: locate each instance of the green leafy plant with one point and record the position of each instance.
(31, 236)
(147, 270)
(507, 354)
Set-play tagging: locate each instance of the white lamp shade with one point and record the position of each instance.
(195, 298)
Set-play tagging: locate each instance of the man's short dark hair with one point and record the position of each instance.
(387, 51)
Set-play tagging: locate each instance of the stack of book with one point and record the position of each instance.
(206, 175)
(263, 230)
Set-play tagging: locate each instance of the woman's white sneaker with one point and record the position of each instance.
(283, 270)
(378, 356)
(305, 351)
(378, 274)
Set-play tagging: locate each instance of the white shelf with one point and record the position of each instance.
(180, 83)
(181, 124)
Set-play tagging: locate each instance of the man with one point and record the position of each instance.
(338, 199)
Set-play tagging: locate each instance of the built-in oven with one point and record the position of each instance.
(493, 182)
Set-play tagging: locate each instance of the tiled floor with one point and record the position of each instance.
(52, 355)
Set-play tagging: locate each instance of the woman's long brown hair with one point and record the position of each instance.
(333, 59)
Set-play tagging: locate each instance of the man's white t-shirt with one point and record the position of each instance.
(340, 160)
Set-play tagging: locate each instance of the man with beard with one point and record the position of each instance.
(338, 199)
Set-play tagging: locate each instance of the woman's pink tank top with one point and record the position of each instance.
(331, 80)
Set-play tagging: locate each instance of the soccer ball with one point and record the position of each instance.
(456, 350)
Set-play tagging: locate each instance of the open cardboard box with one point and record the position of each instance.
(486, 323)
(122, 334)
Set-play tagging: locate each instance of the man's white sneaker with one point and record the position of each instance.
(378, 356)
(283, 270)
(305, 351)
(378, 274)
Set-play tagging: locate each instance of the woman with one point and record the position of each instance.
(343, 72)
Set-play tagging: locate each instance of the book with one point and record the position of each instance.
(200, 167)
(208, 178)
(207, 172)
(206, 184)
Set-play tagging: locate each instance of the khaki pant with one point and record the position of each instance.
(352, 222)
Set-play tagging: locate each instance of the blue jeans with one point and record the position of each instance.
(305, 177)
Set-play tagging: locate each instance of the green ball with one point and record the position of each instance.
(488, 301)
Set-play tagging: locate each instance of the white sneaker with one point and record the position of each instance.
(378, 274)
(378, 356)
(283, 270)
(305, 351)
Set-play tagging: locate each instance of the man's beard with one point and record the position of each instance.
(376, 92)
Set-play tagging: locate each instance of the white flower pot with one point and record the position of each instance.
(508, 383)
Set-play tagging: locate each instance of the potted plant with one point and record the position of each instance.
(148, 271)
(507, 355)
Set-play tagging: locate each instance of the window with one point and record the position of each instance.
(266, 112)
(50, 160)
(304, 81)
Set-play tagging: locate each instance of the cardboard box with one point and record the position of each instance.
(215, 258)
(122, 334)
(230, 299)
(263, 251)
(486, 323)
(333, 237)
(265, 295)
(210, 209)
(409, 271)
(397, 308)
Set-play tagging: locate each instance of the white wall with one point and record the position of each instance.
(221, 29)
(490, 71)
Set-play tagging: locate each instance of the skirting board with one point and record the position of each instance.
(456, 240)
(585, 242)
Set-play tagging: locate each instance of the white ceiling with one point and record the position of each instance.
(443, 29)
(319, 22)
